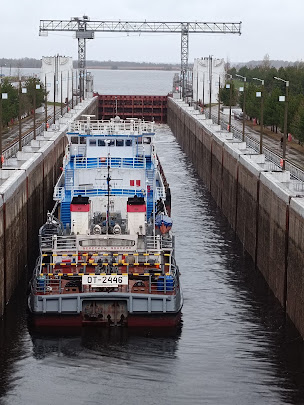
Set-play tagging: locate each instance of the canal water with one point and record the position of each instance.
(234, 347)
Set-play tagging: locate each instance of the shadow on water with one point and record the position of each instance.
(12, 328)
(105, 342)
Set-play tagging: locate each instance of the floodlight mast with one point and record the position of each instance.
(85, 29)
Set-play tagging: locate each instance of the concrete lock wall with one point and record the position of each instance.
(295, 279)
(264, 205)
(26, 189)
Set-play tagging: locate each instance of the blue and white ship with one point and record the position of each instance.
(109, 257)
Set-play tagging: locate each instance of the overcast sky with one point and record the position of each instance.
(268, 26)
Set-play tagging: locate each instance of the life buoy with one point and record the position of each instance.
(103, 159)
(2, 159)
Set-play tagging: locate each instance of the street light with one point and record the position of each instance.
(203, 92)
(45, 104)
(261, 94)
(229, 86)
(244, 98)
(282, 98)
(219, 102)
(210, 84)
(22, 90)
(3, 96)
(61, 107)
(37, 87)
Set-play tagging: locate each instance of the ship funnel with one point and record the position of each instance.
(136, 209)
(80, 215)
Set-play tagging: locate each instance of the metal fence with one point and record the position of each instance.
(270, 156)
(12, 150)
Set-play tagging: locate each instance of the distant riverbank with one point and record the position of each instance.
(111, 67)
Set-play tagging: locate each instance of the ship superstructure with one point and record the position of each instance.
(109, 257)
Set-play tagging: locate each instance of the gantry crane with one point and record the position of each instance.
(85, 29)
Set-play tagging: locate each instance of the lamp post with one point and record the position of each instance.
(45, 103)
(197, 87)
(54, 112)
(68, 88)
(282, 98)
(204, 92)
(22, 90)
(244, 103)
(261, 94)
(229, 86)
(210, 84)
(219, 102)
(61, 107)
(72, 89)
(37, 87)
(3, 96)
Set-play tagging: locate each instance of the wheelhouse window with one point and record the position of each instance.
(111, 142)
(82, 140)
(119, 142)
(74, 140)
(101, 142)
(128, 142)
(92, 142)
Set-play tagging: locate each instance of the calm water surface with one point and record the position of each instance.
(122, 82)
(234, 346)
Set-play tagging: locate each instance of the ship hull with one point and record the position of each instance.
(54, 321)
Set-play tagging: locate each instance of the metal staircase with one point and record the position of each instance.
(69, 179)
(150, 173)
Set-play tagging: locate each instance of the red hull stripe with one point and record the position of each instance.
(134, 321)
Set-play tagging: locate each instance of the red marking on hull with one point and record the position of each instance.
(80, 207)
(134, 321)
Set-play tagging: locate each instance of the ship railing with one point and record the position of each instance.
(88, 191)
(106, 127)
(113, 162)
(59, 194)
(164, 284)
(160, 192)
(159, 242)
(55, 242)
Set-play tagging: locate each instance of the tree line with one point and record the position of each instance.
(15, 97)
(273, 89)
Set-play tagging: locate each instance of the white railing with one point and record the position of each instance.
(158, 242)
(160, 192)
(103, 191)
(59, 194)
(54, 242)
(98, 162)
(112, 127)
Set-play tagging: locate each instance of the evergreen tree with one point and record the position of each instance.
(225, 94)
(297, 126)
(30, 84)
(9, 105)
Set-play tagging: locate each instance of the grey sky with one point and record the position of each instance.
(268, 26)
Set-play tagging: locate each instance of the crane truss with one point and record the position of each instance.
(85, 29)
